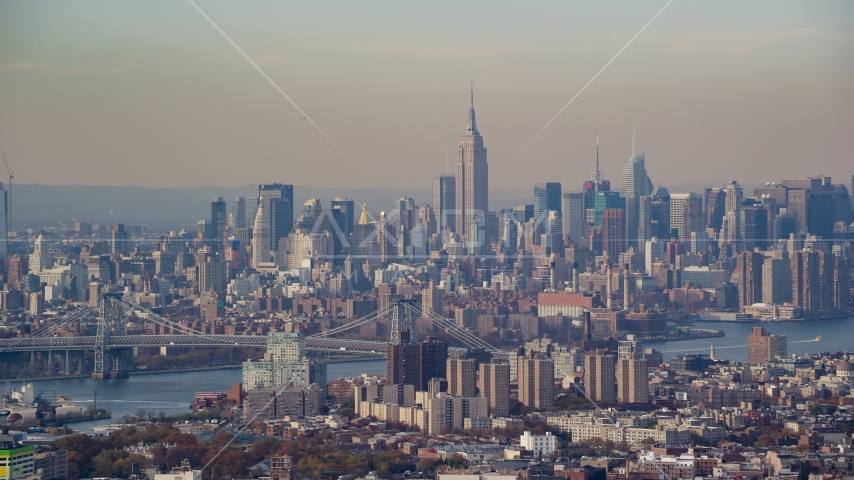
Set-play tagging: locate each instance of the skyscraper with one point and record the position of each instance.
(4, 221)
(495, 387)
(635, 181)
(776, 281)
(573, 216)
(238, 213)
(343, 210)
(797, 208)
(279, 208)
(714, 200)
(40, 259)
(592, 187)
(686, 214)
(734, 195)
(444, 201)
(749, 268)
(613, 233)
(605, 200)
(753, 227)
(119, 240)
(218, 216)
(471, 179)
(546, 197)
(261, 238)
(635, 184)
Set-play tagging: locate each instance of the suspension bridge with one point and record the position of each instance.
(111, 335)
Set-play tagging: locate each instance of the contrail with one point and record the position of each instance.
(305, 115)
(600, 72)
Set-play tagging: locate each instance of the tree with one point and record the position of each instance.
(765, 440)
(648, 442)
(457, 461)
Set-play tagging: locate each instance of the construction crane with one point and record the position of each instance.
(11, 176)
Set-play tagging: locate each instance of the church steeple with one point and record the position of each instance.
(472, 128)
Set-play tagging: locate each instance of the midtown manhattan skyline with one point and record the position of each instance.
(714, 94)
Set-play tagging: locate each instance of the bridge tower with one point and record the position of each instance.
(401, 321)
(110, 322)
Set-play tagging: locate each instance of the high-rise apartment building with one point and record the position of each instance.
(600, 377)
(841, 284)
(763, 347)
(536, 381)
(471, 180)
(632, 379)
(285, 363)
(806, 285)
(15, 271)
(749, 267)
(547, 196)
(416, 363)
(495, 387)
(776, 281)
(461, 374)
(432, 301)
(797, 208)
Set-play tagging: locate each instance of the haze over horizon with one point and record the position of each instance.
(100, 93)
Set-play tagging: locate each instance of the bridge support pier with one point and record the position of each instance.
(33, 364)
(67, 365)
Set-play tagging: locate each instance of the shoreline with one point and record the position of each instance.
(176, 370)
(786, 320)
(688, 337)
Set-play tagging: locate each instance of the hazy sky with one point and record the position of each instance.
(150, 93)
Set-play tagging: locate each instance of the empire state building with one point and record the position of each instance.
(472, 182)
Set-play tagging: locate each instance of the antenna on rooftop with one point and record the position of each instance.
(634, 129)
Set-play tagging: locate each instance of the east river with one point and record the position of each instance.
(172, 393)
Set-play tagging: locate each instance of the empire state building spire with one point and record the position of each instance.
(472, 128)
(472, 187)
